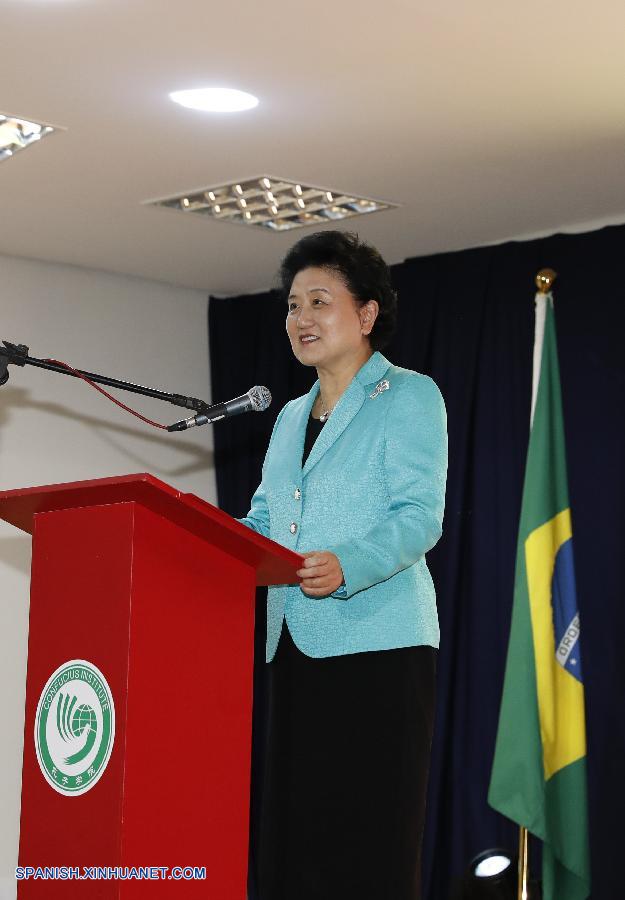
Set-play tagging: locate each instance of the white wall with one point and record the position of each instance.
(55, 429)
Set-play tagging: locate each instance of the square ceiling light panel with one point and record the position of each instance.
(273, 203)
(18, 134)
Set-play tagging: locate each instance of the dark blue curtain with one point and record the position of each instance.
(466, 319)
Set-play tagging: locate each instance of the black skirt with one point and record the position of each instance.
(343, 799)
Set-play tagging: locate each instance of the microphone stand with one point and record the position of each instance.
(17, 354)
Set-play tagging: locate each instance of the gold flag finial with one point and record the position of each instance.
(545, 279)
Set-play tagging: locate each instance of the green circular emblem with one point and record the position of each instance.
(74, 727)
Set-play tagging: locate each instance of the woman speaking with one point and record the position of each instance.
(354, 481)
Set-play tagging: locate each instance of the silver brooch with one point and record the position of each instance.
(380, 386)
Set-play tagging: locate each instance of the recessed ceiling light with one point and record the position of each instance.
(287, 205)
(215, 99)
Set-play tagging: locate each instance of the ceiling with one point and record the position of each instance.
(484, 119)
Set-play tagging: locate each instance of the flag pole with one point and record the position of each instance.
(523, 866)
(544, 281)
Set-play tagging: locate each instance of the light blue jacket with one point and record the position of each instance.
(372, 491)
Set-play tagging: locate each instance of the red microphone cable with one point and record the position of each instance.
(92, 384)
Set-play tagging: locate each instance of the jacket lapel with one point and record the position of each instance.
(344, 411)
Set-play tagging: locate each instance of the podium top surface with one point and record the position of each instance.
(273, 563)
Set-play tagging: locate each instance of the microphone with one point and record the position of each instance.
(257, 399)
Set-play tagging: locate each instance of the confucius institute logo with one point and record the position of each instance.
(74, 727)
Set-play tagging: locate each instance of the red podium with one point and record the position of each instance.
(138, 725)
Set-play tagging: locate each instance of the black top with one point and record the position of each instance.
(313, 430)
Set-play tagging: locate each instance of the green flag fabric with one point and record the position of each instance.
(539, 771)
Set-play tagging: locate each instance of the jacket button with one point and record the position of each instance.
(293, 527)
(297, 494)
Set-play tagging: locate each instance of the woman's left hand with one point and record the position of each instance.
(321, 574)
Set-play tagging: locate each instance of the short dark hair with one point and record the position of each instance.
(361, 267)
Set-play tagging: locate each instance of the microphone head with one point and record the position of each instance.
(260, 398)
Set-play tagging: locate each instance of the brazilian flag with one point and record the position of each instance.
(539, 771)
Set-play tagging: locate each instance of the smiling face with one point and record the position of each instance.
(326, 325)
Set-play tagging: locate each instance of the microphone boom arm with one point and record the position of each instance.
(18, 354)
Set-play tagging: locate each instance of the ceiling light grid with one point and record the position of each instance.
(16, 134)
(277, 204)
